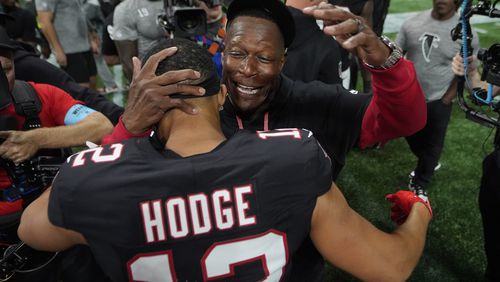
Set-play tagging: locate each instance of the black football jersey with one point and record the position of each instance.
(236, 213)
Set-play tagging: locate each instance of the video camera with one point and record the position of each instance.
(184, 18)
(491, 64)
(31, 177)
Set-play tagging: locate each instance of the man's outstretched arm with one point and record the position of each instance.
(398, 105)
(351, 243)
(22, 145)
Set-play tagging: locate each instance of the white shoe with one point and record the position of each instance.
(437, 167)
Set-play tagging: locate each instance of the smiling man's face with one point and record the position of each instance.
(252, 60)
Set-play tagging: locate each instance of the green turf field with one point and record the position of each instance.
(454, 249)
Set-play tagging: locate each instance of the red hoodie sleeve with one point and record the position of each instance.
(121, 133)
(398, 105)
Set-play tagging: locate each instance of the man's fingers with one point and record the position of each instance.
(352, 26)
(9, 154)
(177, 76)
(182, 89)
(185, 106)
(5, 134)
(152, 63)
(136, 67)
(390, 197)
(328, 13)
(358, 40)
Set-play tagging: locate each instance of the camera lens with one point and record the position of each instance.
(482, 54)
(495, 53)
(190, 22)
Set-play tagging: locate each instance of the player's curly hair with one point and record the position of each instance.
(189, 55)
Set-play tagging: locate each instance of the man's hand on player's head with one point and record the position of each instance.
(402, 203)
(149, 95)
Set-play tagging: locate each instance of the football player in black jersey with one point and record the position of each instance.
(186, 204)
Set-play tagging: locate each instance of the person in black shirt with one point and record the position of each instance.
(200, 207)
(364, 9)
(489, 194)
(312, 55)
(23, 26)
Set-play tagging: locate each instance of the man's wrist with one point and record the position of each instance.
(133, 132)
(395, 55)
(129, 127)
(425, 202)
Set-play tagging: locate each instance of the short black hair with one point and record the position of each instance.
(189, 55)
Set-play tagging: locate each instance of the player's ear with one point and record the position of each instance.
(221, 97)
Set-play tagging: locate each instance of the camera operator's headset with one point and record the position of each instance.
(491, 56)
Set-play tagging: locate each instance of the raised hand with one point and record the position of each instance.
(351, 32)
(149, 95)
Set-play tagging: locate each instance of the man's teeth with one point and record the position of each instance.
(247, 90)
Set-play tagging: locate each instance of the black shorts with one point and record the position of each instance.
(80, 66)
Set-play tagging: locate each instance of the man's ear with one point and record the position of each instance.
(221, 97)
(222, 57)
(283, 59)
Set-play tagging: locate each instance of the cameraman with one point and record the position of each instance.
(489, 191)
(136, 27)
(64, 121)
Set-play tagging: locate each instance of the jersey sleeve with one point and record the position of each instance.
(56, 102)
(59, 196)
(124, 22)
(310, 173)
(320, 168)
